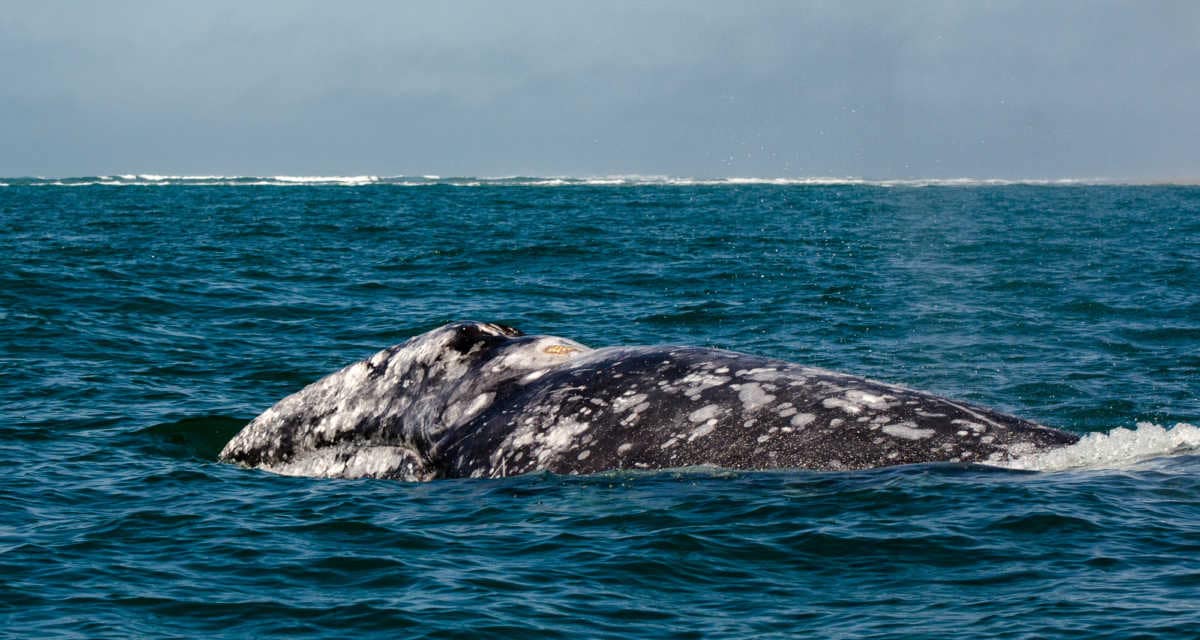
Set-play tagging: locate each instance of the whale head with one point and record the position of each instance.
(380, 416)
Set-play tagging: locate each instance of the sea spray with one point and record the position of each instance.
(1115, 449)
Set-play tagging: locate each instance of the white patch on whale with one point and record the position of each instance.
(908, 431)
(973, 426)
(803, 419)
(703, 430)
(869, 399)
(697, 382)
(630, 401)
(456, 413)
(843, 404)
(753, 396)
(353, 462)
(707, 412)
(559, 439)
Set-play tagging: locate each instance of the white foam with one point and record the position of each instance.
(1116, 449)
(201, 177)
(154, 177)
(348, 180)
(683, 181)
(616, 180)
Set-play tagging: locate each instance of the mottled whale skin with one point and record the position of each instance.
(476, 400)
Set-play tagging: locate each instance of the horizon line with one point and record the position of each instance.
(152, 179)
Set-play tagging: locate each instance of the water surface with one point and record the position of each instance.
(143, 322)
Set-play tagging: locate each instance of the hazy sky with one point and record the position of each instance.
(870, 89)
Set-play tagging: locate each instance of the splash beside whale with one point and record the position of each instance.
(476, 399)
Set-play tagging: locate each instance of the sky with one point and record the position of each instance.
(878, 90)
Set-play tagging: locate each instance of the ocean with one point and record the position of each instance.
(145, 319)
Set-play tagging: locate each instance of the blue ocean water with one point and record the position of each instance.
(145, 319)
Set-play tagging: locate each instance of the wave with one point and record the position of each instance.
(150, 179)
(1116, 449)
(343, 180)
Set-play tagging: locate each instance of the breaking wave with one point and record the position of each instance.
(1116, 449)
(151, 179)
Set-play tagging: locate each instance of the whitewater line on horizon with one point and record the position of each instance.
(151, 179)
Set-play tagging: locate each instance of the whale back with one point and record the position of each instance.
(485, 400)
(379, 417)
(671, 406)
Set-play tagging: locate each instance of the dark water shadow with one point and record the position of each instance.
(199, 438)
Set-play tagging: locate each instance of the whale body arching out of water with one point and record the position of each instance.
(476, 399)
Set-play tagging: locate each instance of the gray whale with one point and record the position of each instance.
(476, 400)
